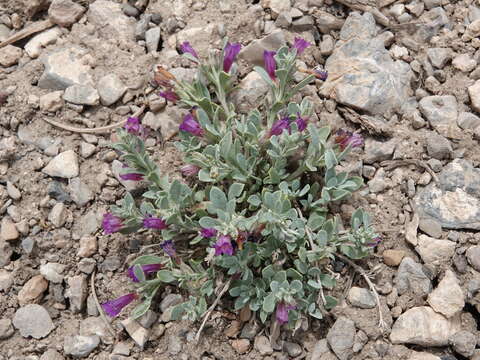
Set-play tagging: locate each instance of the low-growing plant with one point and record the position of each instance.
(252, 216)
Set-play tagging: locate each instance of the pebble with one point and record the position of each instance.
(439, 57)
(57, 191)
(473, 257)
(64, 165)
(253, 52)
(110, 89)
(77, 292)
(327, 22)
(361, 298)
(6, 329)
(341, 336)
(142, 26)
(92, 306)
(6, 252)
(111, 263)
(86, 149)
(152, 39)
(35, 45)
(80, 346)
(411, 276)
(51, 102)
(393, 257)
(241, 346)
(121, 348)
(94, 325)
(467, 120)
(250, 92)
(435, 251)
(292, 349)
(88, 246)
(65, 12)
(250, 330)
(33, 320)
(13, 192)
(10, 55)
(6, 280)
(52, 272)
(464, 63)
(130, 10)
(80, 192)
(138, 333)
(33, 290)
(81, 95)
(474, 93)
(233, 329)
(447, 298)
(148, 319)
(463, 342)
(376, 151)
(262, 345)
(438, 147)
(57, 215)
(169, 301)
(441, 112)
(430, 227)
(51, 354)
(8, 230)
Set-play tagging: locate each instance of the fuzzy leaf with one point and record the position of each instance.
(269, 303)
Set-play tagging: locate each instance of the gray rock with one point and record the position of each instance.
(64, 165)
(96, 326)
(77, 292)
(439, 57)
(65, 12)
(250, 92)
(130, 10)
(464, 62)
(411, 276)
(376, 151)
(474, 93)
(441, 112)
(87, 265)
(361, 297)
(36, 44)
(463, 343)
(6, 280)
(250, 330)
(293, 349)
(467, 120)
(423, 326)
(122, 348)
(152, 39)
(10, 55)
(378, 183)
(148, 319)
(175, 345)
(374, 82)
(52, 101)
(64, 67)
(279, 6)
(327, 22)
(253, 52)
(473, 257)
(6, 329)
(51, 354)
(80, 346)
(340, 337)
(52, 272)
(81, 95)
(142, 26)
(57, 215)
(13, 192)
(438, 147)
(79, 192)
(435, 252)
(321, 351)
(4, 32)
(305, 23)
(57, 191)
(86, 225)
(92, 306)
(169, 301)
(455, 201)
(432, 22)
(448, 298)
(6, 253)
(33, 320)
(86, 149)
(110, 89)
(263, 346)
(138, 333)
(430, 227)
(111, 263)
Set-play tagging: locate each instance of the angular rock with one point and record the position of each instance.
(80, 192)
(52, 272)
(10, 55)
(455, 201)
(361, 297)
(33, 320)
(6, 253)
(6, 329)
(464, 343)
(423, 326)
(473, 257)
(441, 112)
(464, 63)
(393, 257)
(65, 12)
(86, 224)
(411, 276)
(110, 89)
(6, 280)
(474, 93)
(430, 227)
(376, 151)
(434, 251)
(138, 333)
(52, 101)
(35, 45)
(88, 246)
(374, 82)
(64, 165)
(51, 354)
(80, 346)
(423, 356)
(253, 52)
(65, 67)
(448, 297)
(439, 57)
(326, 21)
(340, 337)
(13, 192)
(438, 147)
(152, 39)
(57, 215)
(33, 290)
(8, 230)
(81, 95)
(250, 92)
(241, 346)
(468, 120)
(77, 292)
(95, 326)
(262, 345)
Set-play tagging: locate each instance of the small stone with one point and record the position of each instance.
(130, 10)
(35, 45)
(138, 333)
(241, 346)
(305, 23)
(430, 227)
(148, 319)
(393, 257)
(6, 252)
(473, 257)
(249, 331)
(8, 230)
(88, 246)
(33, 320)
(327, 22)
(340, 337)
(464, 63)
(6, 280)
(411, 276)
(474, 93)
(441, 112)
(463, 343)
(80, 192)
(94, 325)
(253, 52)
(51, 354)
(77, 292)
(170, 300)
(6, 329)
(65, 12)
(122, 348)
(80, 346)
(13, 192)
(81, 95)
(327, 45)
(86, 149)
(250, 92)
(52, 272)
(57, 215)
(447, 298)
(233, 329)
(414, 355)
(52, 101)
(292, 349)
(110, 89)
(33, 290)
(361, 298)
(262, 345)
(10, 55)
(64, 165)
(111, 263)
(435, 251)
(376, 151)
(467, 120)
(152, 39)
(438, 147)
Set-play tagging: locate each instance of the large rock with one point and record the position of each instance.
(412, 276)
(362, 73)
(341, 336)
(448, 297)
(435, 251)
(65, 12)
(250, 92)
(253, 52)
(455, 200)
(64, 67)
(110, 88)
(64, 165)
(33, 320)
(423, 326)
(441, 112)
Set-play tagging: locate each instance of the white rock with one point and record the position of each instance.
(52, 101)
(423, 356)
(45, 38)
(64, 165)
(33, 320)
(448, 297)
(57, 215)
(10, 55)
(52, 272)
(81, 95)
(434, 251)
(464, 63)
(110, 89)
(138, 333)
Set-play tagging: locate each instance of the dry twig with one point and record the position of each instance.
(99, 307)
(32, 29)
(392, 164)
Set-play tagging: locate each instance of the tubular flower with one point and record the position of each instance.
(154, 223)
(270, 64)
(191, 125)
(208, 232)
(301, 122)
(168, 248)
(281, 313)
(300, 44)
(223, 246)
(345, 138)
(169, 95)
(131, 176)
(147, 269)
(280, 125)
(230, 53)
(114, 307)
(375, 241)
(189, 170)
(133, 125)
(111, 223)
(187, 48)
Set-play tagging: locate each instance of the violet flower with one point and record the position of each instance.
(111, 223)
(301, 122)
(281, 313)
(154, 223)
(147, 269)
(191, 125)
(187, 48)
(133, 125)
(208, 232)
(280, 125)
(131, 176)
(270, 64)
(230, 53)
(345, 138)
(169, 95)
(300, 44)
(223, 246)
(189, 170)
(113, 307)
(320, 74)
(168, 248)
(375, 241)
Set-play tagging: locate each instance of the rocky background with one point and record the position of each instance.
(404, 72)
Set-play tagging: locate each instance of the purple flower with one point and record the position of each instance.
(270, 64)
(113, 307)
(154, 223)
(320, 74)
(345, 138)
(169, 95)
(208, 232)
(230, 53)
(147, 269)
(131, 176)
(223, 246)
(301, 122)
(189, 170)
(168, 248)
(375, 241)
(282, 312)
(187, 48)
(280, 125)
(133, 125)
(111, 223)
(300, 44)
(191, 125)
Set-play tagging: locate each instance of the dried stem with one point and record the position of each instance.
(99, 307)
(31, 29)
